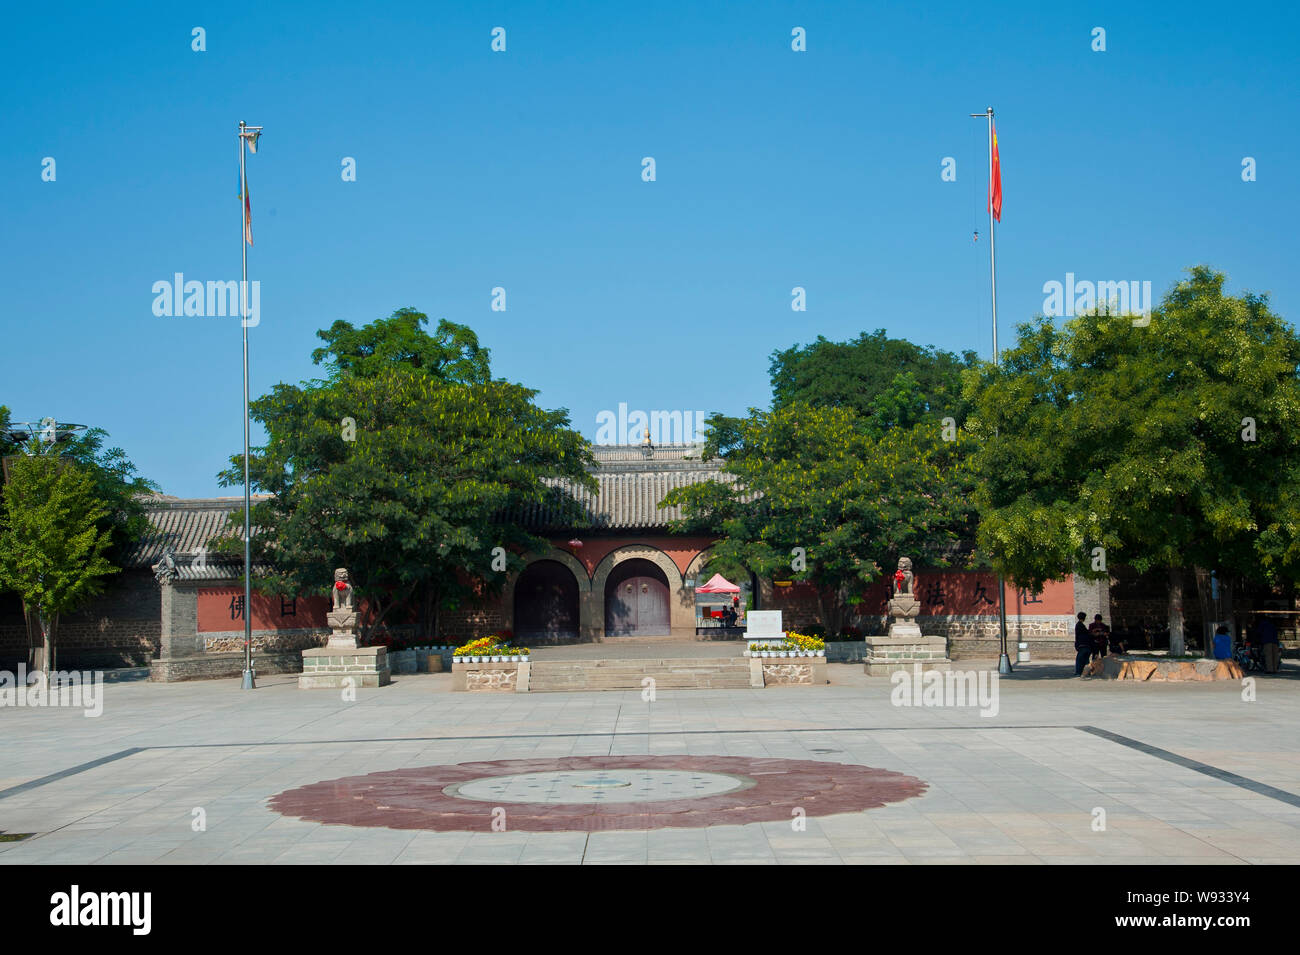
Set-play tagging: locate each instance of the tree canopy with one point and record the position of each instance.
(452, 353)
(406, 471)
(887, 382)
(853, 464)
(53, 542)
(1173, 444)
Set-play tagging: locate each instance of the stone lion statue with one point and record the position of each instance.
(342, 595)
(903, 577)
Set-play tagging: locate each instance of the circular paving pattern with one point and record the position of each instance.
(589, 793)
(583, 786)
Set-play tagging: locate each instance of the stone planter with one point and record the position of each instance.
(486, 676)
(788, 671)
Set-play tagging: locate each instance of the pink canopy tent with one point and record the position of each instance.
(718, 585)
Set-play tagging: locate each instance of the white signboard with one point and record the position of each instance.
(763, 625)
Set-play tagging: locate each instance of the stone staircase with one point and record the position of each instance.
(711, 673)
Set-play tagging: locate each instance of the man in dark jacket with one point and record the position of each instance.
(1082, 644)
(1266, 634)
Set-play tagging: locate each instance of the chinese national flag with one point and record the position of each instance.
(995, 180)
(248, 214)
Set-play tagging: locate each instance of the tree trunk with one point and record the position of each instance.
(1229, 611)
(47, 642)
(1205, 598)
(35, 640)
(1177, 645)
(832, 611)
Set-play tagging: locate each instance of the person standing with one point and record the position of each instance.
(1082, 644)
(1099, 633)
(1266, 636)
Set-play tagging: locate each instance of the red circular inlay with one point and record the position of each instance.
(414, 798)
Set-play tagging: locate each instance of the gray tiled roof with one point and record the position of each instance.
(631, 482)
(182, 527)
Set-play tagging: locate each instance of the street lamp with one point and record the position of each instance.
(248, 136)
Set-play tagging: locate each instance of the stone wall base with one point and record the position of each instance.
(215, 666)
(970, 649)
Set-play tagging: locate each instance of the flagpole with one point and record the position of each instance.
(1004, 658)
(249, 682)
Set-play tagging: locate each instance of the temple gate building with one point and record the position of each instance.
(625, 576)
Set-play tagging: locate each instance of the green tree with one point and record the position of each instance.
(123, 491)
(52, 540)
(1173, 444)
(6, 443)
(811, 477)
(888, 382)
(452, 353)
(408, 473)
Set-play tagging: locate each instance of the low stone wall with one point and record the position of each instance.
(273, 641)
(1050, 636)
(211, 666)
(1062, 649)
(120, 628)
(846, 651)
(1163, 671)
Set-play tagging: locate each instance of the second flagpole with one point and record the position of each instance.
(1004, 658)
(247, 139)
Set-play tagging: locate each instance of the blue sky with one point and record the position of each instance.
(522, 170)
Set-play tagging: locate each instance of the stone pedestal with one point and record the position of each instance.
(902, 651)
(904, 609)
(341, 633)
(331, 667)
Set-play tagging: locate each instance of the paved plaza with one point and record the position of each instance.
(186, 772)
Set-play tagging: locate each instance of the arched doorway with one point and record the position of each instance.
(636, 600)
(546, 603)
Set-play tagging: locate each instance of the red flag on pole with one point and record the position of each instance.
(995, 177)
(248, 216)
